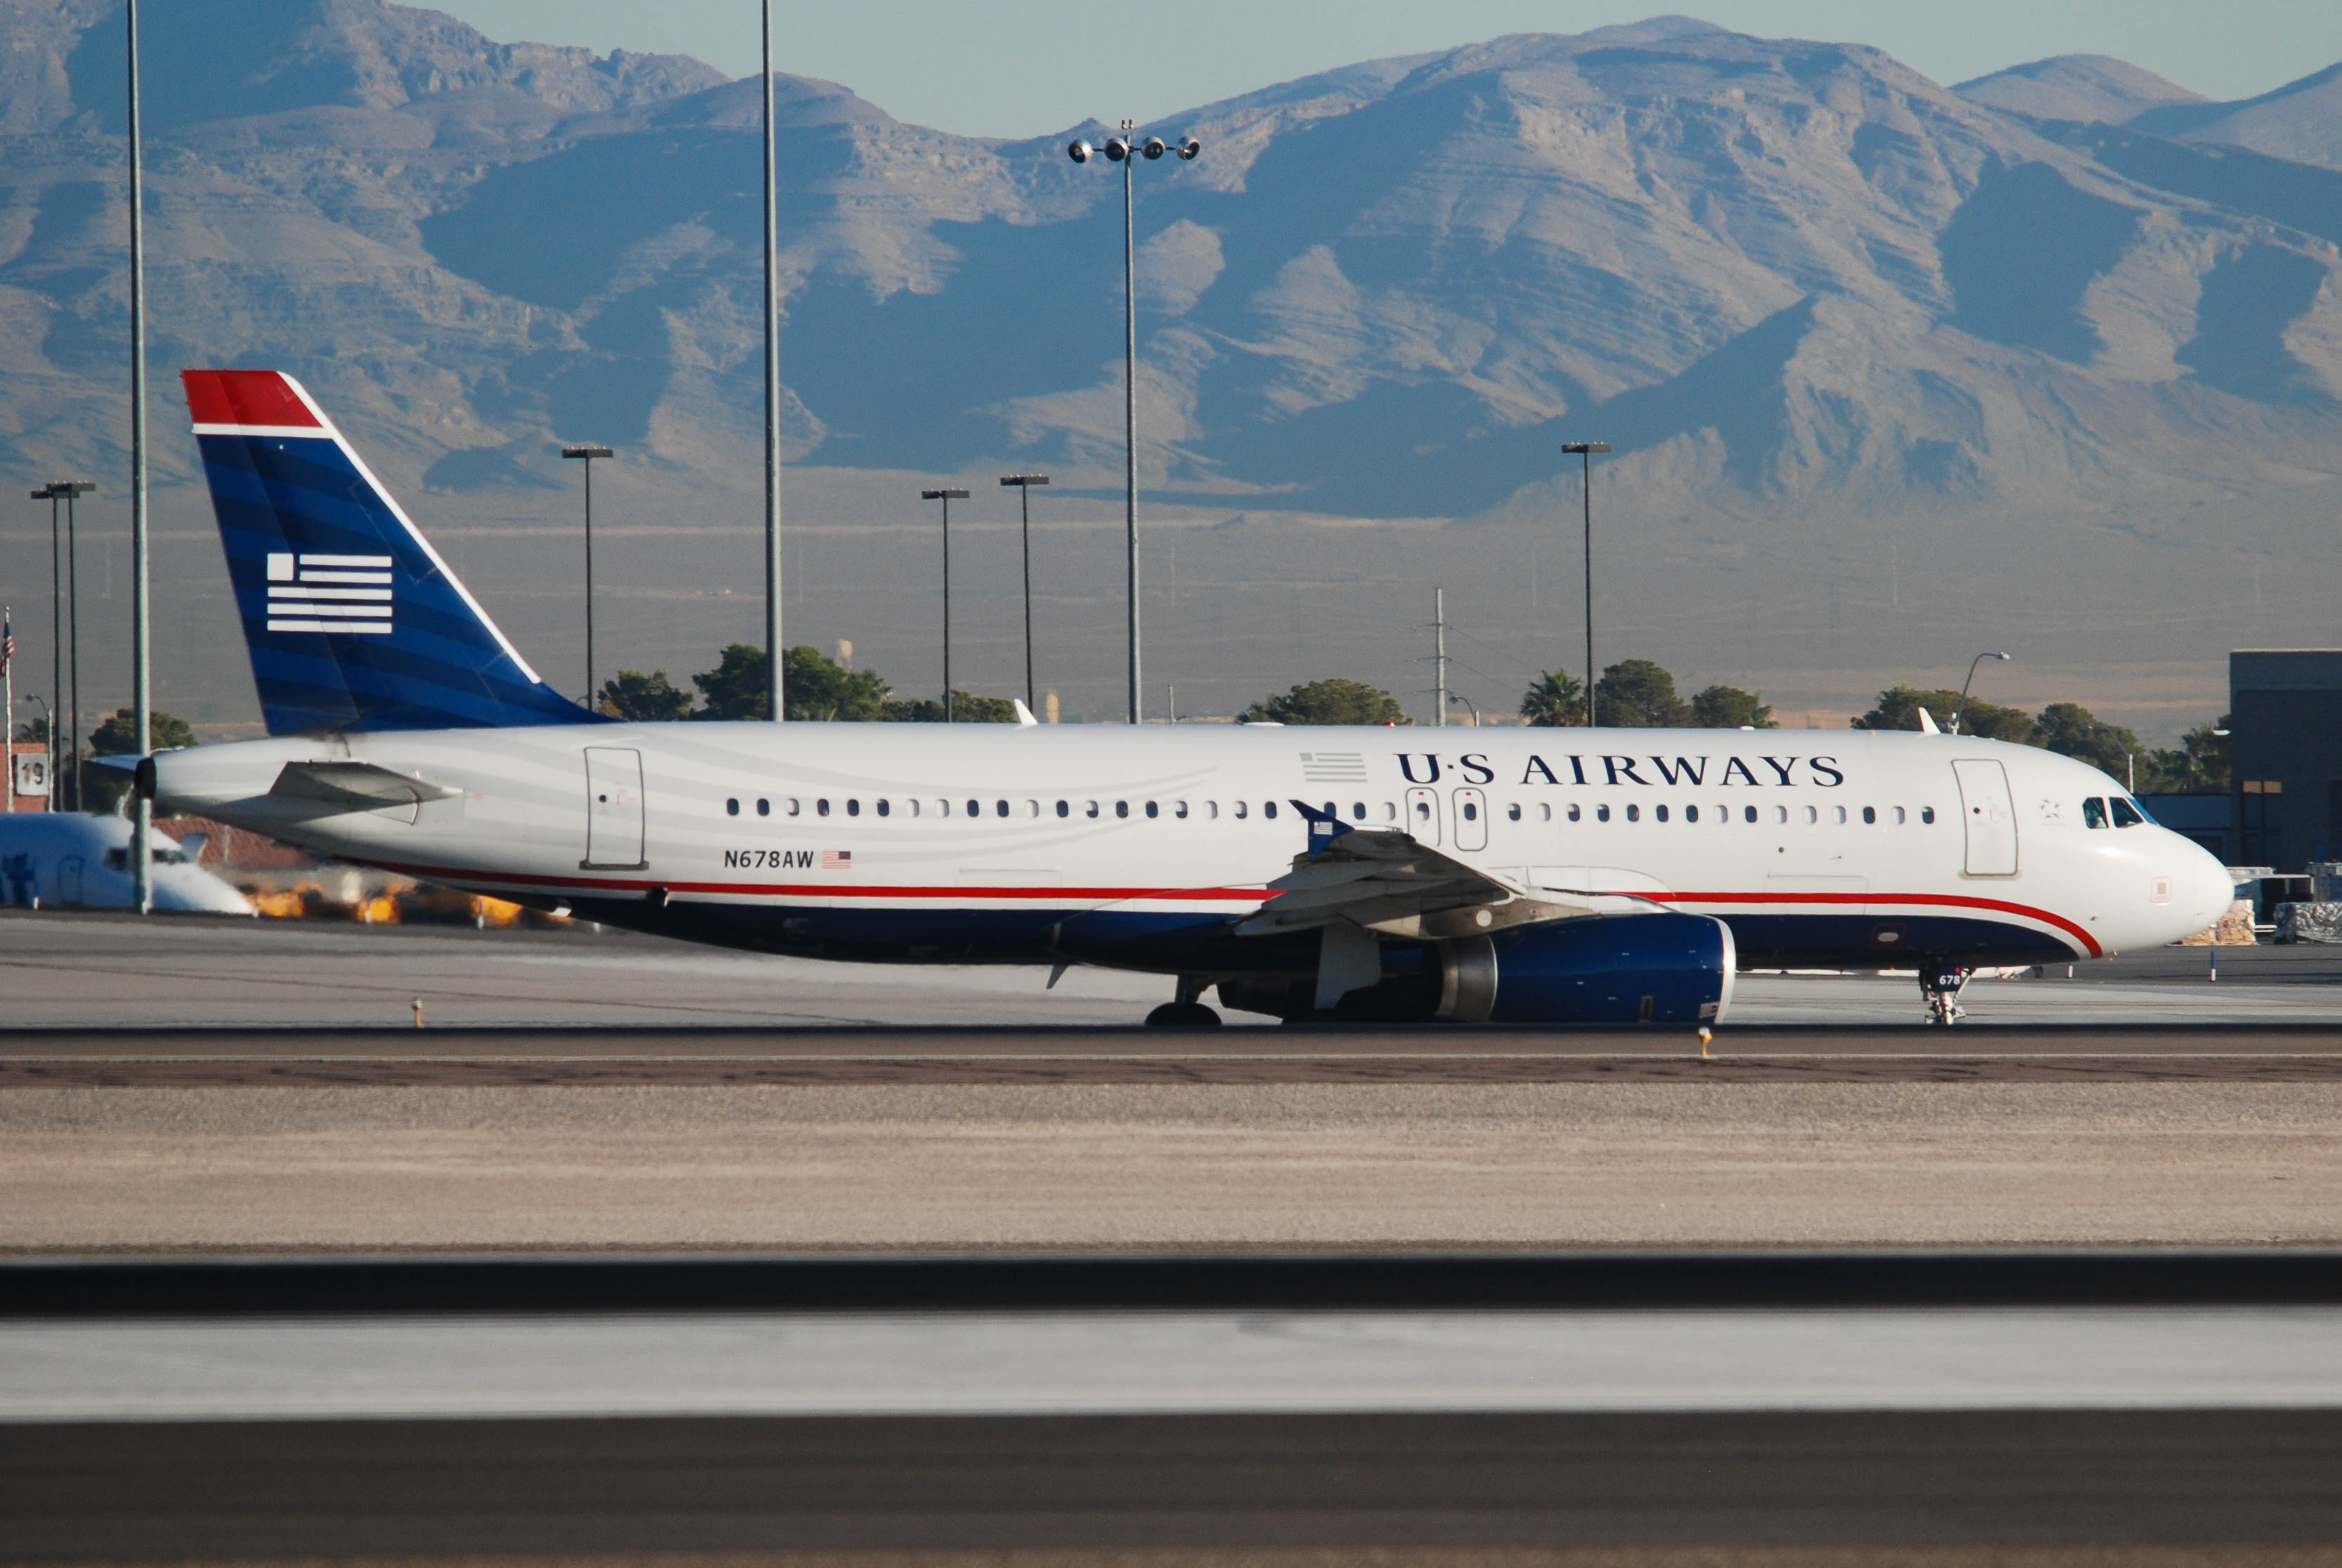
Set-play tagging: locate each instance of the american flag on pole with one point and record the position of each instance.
(7, 642)
(838, 860)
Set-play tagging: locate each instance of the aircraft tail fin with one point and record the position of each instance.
(352, 619)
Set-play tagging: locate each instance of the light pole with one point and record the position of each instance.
(142, 609)
(1121, 150)
(587, 454)
(947, 498)
(64, 670)
(774, 678)
(1460, 697)
(1024, 482)
(1586, 451)
(1963, 708)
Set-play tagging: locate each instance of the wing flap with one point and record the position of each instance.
(1388, 882)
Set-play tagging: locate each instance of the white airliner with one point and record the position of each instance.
(1553, 876)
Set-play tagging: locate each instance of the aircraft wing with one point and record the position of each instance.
(1385, 880)
(361, 786)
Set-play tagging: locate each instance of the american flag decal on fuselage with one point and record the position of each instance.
(312, 592)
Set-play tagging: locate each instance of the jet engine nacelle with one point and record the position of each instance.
(1656, 968)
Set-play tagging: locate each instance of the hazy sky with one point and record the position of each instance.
(1016, 68)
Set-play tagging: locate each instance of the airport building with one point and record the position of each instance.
(2285, 749)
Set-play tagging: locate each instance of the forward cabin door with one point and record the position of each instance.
(614, 808)
(1990, 816)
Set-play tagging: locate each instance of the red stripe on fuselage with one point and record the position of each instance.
(1925, 900)
(1246, 896)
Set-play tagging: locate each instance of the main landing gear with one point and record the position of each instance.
(1941, 985)
(1186, 1013)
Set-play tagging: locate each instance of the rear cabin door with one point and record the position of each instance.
(614, 808)
(1471, 819)
(1423, 816)
(1990, 816)
(69, 880)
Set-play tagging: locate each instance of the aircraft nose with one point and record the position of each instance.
(2202, 885)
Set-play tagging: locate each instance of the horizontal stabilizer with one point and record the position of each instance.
(363, 786)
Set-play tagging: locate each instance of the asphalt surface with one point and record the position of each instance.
(2105, 1404)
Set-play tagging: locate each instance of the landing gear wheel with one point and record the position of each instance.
(1183, 1016)
(1941, 985)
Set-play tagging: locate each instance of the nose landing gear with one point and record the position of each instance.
(1941, 985)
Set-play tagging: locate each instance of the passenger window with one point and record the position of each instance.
(1869, 813)
(1471, 812)
(1661, 813)
(1572, 814)
(976, 808)
(853, 808)
(1780, 814)
(1634, 814)
(1179, 809)
(1691, 814)
(1390, 812)
(1927, 814)
(884, 809)
(1065, 809)
(1513, 810)
(1545, 812)
(1089, 808)
(1749, 813)
(1211, 811)
(1601, 814)
(2126, 814)
(1423, 810)
(1032, 808)
(1000, 808)
(1813, 816)
(731, 807)
(913, 806)
(1122, 808)
(2094, 813)
(795, 806)
(763, 808)
(1268, 809)
(820, 808)
(1899, 818)
(1150, 808)
(1241, 811)
(1840, 814)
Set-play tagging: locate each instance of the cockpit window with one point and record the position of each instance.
(2094, 813)
(2126, 814)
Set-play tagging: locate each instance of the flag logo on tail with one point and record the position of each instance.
(309, 593)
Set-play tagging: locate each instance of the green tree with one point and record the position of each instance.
(1557, 699)
(1331, 702)
(814, 686)
(1638, 695)
(2198, 765)
(1730, 708)
(2071, 730)
(968, 708)
(647, 699)
(1898, 709)
(117, 737)
(36, 729)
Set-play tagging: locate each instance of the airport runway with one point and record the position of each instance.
(109, 970)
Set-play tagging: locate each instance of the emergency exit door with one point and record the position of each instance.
(614, 808)
(1990, 818)
(1423, 816)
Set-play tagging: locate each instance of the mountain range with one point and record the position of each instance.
(2051, 359)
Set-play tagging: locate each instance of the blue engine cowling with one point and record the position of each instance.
(1656, 968)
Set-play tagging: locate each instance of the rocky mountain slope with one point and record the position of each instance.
(1884, 364)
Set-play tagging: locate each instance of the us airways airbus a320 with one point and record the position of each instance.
(1524, 876)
